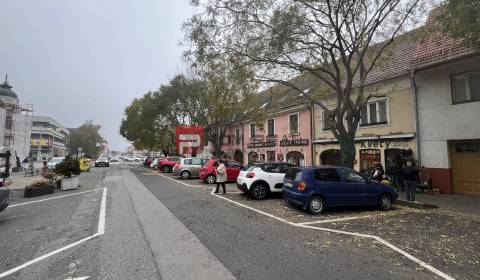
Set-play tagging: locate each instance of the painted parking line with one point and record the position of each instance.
(375, 238)
(309, 226)
(100, 232)
(50, 198)
(335, 220)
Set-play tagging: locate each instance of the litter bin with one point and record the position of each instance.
(84, 164)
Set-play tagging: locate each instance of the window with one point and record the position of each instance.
(187, 161)
(284, 167)
(467, 147)
(369, 158)
(197, 161)
(466, 87)
(271, 155)
(327, 174)
(237, 136)
(374, 113)
(293, 123)
(252, 130)
(233, 164)
(270, 127)
(229, 139)
(328, 121)
(271, 168)
(352, 176)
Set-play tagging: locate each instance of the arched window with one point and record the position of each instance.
(330, 157)
(296, 158)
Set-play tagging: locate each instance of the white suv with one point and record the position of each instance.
(259, 179)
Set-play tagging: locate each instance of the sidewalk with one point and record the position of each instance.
(19, 181)
(465, 204)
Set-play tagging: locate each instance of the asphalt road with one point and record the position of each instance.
(159, 228)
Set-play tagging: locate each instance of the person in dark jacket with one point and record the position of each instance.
(410, 174)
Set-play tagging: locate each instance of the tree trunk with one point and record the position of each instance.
(347, 151)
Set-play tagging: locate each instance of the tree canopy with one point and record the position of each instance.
(328, 42)
(86, 137)
(462, 20)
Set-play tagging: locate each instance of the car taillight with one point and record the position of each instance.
(250, 174)
(301, 186)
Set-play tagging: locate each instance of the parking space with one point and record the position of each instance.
(444, 242)
(36, 226)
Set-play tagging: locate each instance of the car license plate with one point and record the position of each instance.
(288, 185)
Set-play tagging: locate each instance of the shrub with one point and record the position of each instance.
(68, 167)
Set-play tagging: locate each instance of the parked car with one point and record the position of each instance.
(102, 161)
(166, 164)
(315, 188)
(187, 168)
(129, 158)
(154, 163)
(207, 172)
(54, 161)
(260, 179)
(147, 161)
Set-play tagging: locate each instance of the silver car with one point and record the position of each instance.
(187, 168)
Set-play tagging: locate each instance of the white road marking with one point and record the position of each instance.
(46, 199)
(335, 220)
(78, 278)
(307, 226)
(13, 217)
(376, 238)
(100, 232)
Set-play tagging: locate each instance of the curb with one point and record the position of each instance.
(416, 205)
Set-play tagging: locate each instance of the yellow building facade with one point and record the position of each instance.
(386, 133)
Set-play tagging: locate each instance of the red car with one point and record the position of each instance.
(166, 164)
(207, 172)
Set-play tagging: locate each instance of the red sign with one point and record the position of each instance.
(189, 140)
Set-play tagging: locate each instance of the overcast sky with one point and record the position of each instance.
(87, 59)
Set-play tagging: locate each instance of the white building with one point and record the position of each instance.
(48, 138)
(447, 79)
(15, 123)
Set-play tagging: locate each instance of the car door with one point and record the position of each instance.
(195, 166)
(276, 175)
(233, 169)
(329, 184)
(358, 189)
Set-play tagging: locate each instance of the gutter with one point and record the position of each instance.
(312, 132)
(416, 122)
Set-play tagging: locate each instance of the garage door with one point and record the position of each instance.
(466, 166)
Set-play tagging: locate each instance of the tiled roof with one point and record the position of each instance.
(436, 46)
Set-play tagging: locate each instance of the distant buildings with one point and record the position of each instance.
(48, 138)
(15, 123)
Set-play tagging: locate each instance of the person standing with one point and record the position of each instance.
(410, 174)
(221, 176)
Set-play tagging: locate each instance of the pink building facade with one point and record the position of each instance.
(286, 136)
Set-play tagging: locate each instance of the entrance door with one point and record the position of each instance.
(465, 161)
(296, 158)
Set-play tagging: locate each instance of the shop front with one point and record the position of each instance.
(390, 151)
(297, 151)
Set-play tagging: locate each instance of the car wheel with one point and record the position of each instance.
(210, 179)
(316, 205)
(259, 191)
(385, 202)
(167, 169)
(185, 175)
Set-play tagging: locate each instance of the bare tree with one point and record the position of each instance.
(328, 42)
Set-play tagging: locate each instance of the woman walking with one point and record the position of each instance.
(221, 176)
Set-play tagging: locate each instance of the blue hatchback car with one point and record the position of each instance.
(315, 188)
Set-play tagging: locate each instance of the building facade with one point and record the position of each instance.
(48, 138)
(15, 123)
(447, 79)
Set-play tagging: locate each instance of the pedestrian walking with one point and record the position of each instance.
(221, 176)
(410, 174)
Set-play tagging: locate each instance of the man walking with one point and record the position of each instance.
(410, 174)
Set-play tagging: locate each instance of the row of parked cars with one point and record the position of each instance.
(312, 188)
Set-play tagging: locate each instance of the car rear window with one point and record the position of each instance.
(187, 161)
(327, 175)
(293, 173)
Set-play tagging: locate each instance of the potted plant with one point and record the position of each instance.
(53, 179)
(69, 169)
(38, 187)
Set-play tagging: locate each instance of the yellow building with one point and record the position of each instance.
(387, 130)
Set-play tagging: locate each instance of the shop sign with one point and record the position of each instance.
(298, 142)
(261, 144)
(380, 143)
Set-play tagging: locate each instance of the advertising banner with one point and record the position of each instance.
(189, 140)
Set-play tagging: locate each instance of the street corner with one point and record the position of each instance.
(447, 241)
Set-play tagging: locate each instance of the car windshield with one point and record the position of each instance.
(102, 158)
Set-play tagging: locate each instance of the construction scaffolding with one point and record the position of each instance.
(16, 126)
